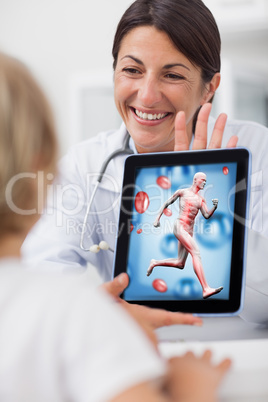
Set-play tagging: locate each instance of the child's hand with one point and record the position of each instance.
(195, 379)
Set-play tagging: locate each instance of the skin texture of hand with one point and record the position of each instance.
(189, 379)
(200, 138)
(148, 318)
(195, 379)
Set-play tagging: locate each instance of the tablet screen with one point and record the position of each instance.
(182, 226)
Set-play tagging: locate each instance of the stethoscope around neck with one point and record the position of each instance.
(103, 245)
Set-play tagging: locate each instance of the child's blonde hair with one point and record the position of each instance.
(27, 139)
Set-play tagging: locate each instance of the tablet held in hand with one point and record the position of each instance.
(182, 230)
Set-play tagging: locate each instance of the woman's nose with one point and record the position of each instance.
(150, 92)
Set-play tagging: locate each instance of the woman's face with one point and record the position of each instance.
(153, 81)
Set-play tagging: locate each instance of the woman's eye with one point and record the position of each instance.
(131, 71)
(174, 76)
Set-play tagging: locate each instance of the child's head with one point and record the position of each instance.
(27, 145)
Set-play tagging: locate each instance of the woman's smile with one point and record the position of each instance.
(149, 117)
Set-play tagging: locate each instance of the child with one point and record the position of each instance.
(61, 340)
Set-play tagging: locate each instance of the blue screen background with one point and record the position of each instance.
(213, 236)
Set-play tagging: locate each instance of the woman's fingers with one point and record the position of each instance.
(217, 134)
(158, 318)
(181, 138)
(216, 138)
(117, 285)
(200, 136)
(232, 142)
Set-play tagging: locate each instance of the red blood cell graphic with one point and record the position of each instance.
(141, 202)
(131, 228)
(167, 212)
(163, 182)
(139, 231)
(225, 170)
(160, 285)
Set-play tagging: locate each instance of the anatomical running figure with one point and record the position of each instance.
(190, 202)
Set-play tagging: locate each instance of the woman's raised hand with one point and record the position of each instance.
(182, 142)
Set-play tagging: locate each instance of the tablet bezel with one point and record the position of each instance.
(202, 307)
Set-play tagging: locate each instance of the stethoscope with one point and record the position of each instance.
(103, 245)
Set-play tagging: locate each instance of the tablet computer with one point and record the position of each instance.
(182, 230)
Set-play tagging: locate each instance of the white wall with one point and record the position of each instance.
(59, 38)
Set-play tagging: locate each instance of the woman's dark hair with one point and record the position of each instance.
(188, 23)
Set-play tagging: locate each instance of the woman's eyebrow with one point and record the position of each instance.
(167, 66)
(138, 61)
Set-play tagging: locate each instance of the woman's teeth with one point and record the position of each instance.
(149, 116)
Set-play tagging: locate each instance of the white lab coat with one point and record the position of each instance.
(55, 239)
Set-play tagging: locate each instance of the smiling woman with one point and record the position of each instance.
(152, 84)
(179, 26)
(166, 72)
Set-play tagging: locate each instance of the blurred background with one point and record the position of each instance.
(67, 45)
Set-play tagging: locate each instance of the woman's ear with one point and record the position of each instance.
(211, 88)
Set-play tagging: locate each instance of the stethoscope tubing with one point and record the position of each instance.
(124, 150)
